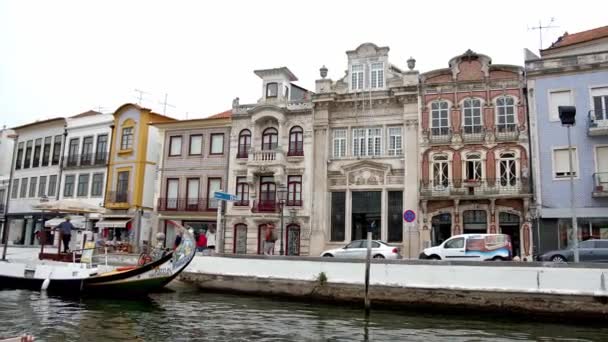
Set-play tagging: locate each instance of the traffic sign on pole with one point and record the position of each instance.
(409, 216)
(224, 196)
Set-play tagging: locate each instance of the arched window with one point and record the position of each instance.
(439, 118)
(293, 239)
(240, 239)
(471, 109)
(296, 142)
(505, 114)
(244, 144)
(270, 139)
(440, 170)
(507, 169)
(473, 167)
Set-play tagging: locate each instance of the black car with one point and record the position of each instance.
(588, 251)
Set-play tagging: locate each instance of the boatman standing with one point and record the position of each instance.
(66, 233)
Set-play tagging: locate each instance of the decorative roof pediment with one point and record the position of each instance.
(368, 50)
(366, 164)
(366, 172)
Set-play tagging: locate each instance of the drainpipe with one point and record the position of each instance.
(8, 195)
(65, 137)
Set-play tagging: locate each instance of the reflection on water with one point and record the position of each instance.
(190, 315)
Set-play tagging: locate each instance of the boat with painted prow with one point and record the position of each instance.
(79, 278)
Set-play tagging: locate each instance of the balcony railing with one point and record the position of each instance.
(474, 187)
(273, 156)
(440, 135)
(265, 207)
(473, 133)
(86, 160)
(241, 203)
(600, 184)
(293, 203)
(506, 132)
(187, 204)
(118, 196)
(598, 122)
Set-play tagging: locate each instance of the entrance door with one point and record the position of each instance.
(366, 213)
(509, 224)
(441, 228)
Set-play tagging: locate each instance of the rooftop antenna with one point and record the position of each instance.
(540, 29)
(165, 104)
(140, 97)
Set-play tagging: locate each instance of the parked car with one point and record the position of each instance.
(472, 247)
(588, 251)
(358, 249)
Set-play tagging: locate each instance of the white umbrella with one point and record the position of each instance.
(68, 206)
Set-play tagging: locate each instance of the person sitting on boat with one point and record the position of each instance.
(66, 233)
(201, 243)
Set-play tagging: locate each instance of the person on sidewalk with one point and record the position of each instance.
(210, 235)
(269, 239)
(201, 243)
(65, 228)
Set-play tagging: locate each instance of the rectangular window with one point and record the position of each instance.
(101, 149)
(213, 185)
(339, 143)
(42, 186)
(68, 187)
(73, 152)
(217, 143)
(126, 140)
(87, 151)
(600, 104)
(175, 146)
(33, 183)
(122, 187)
(46, 151)
(294, 190)
(15, 188)
(83, 185)
(395, 219)
(196, 145)
(192, 188)
(356, 82)
(374, 141)
(172, 193)
(97, 185)
(52, 185)
(359, 142)
(23, 192)
(395, 147)
(28, 155)
(561, 163)
(556, 99)
(19, 160)
(377, 75)
(272, 89)
(338, 215)
(37, 152)
(242, 192)
(56, 150)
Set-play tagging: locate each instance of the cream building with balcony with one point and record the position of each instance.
(366, 153)
(271, 151)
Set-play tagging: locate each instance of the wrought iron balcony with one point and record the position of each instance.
(473, 133)
(241, 203)
(265, 206)
(187, 204)
(440, 135)
(86, 160)
(598, 122)
(600, 184)
(474, 187)
(507, 132)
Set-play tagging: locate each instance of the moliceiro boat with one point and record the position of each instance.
(78, 278)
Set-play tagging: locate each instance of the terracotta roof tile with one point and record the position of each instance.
(579, 37)
(222, 115)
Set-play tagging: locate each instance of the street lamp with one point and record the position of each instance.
(567, 116)
(282, 194)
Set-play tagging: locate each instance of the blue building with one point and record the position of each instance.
(573, 71)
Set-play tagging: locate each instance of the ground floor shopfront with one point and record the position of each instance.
(199, 224)
(557, 233)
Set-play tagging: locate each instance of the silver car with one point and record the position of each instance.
(358, 249)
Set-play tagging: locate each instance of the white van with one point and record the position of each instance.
(471, 247)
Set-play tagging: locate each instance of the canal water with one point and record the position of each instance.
(190, 315)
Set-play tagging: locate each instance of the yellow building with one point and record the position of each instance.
(130, 186)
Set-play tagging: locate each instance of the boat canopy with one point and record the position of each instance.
(77, 221)
(112, 223)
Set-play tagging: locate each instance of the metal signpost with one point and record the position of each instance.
(221, 197)
(409, 216)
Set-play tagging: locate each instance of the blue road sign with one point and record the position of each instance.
(224, 196)
(409, 216)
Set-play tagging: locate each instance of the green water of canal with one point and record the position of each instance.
(190, 315)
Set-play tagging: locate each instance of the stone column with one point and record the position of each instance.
(348, 209)
(384, 216)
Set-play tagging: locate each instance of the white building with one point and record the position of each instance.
(7, 143)
(36, 176)
(366, 152)
(271, 151)
(86, 158)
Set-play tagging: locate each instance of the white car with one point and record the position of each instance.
(358, 249)
(472, 247)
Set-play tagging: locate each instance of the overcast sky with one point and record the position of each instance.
(60, 58)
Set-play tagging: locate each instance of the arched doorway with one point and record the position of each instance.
(509, 224)
(441, 228)
(474, 222)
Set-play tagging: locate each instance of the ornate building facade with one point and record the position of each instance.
(474, 151)
(365, 152)
(271, 155)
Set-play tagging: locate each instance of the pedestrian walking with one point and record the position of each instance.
(210, 235)
(65, 228)
(201, 243)
(269, 239)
